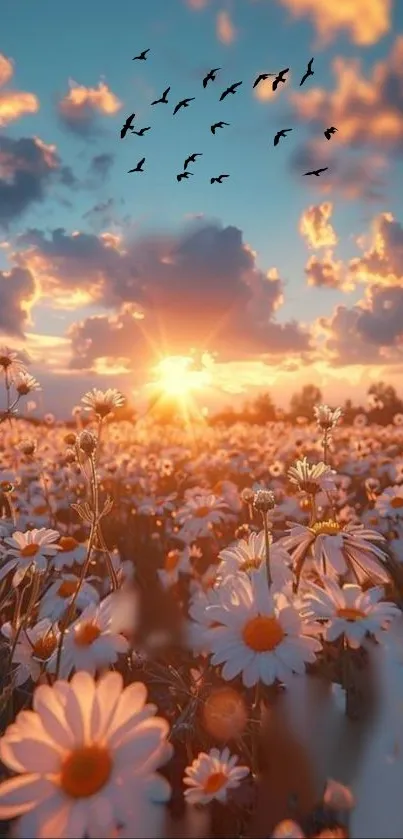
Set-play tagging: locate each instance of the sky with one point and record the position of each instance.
(266, 281)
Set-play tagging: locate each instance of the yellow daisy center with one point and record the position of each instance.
(30, 550)
(262, 634)
(215, 782)
(251, 563)
(39, 510)
(326, 528)
(350, 614)
(396, 502)
(44, 647)
(67, 543)
(85, 771)
(86, 634)
(67, 588)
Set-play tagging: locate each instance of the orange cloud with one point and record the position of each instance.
(14, 104)
(6, 70)
(366, 21)
(226, 31)
(382, 262)
(80, 105)
(366, 111)
(264, 91)
(315, 228)
(326, 272)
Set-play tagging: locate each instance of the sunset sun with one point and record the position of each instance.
(175, 377)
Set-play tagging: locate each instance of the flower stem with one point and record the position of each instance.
(267, 547)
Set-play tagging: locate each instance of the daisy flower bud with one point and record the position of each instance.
(264, 500)
(87, 442)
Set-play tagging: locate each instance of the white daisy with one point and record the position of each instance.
(390, 502)
(248, 555)
(33, 649)
(258, 634)
(339, 549)
(103, 402)
(85, 756)
(211, 776)
(57, 599)
(348, 610)
(94, 640)
(312, 477)
(327, 418)
(70, 553)
(199, 514)
(35, 547)
(175, 562)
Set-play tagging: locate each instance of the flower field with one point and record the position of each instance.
(201, 626)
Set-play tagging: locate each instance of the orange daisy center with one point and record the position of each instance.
(350, 614)
(86, 634)
(30, 550)
(85, 771)
(251, 563)
(68, 543)
(45, 646)
(202, 511)
(397, 502)
(262, 634)
(67, 588)
(215, 782)
(171, 560)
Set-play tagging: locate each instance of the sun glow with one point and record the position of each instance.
(174, 377)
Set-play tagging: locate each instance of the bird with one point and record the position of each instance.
(142, 56)
(309, 72)
(184, 103)
(218, 180)
(127, 126)
(183, 175)
(231, 89)
(262, 78)
(218, 125)
(142, 131)
(280, 78)
(192, 159)
(163, 98)
(211, 75)
(138, 167)
(316, 171)
(329, 132)
(281, 133)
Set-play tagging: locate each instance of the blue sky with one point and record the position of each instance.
(265, 196)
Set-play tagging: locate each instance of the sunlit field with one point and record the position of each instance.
(201, 629)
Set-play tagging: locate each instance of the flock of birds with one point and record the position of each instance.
(278, 78)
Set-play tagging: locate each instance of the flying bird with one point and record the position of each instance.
(163, 98)
(329, 132)
(211, 76)
(262, 78)
(138, 167)
(142, 56)
(218, 180)
(183, 175)
(192, 159)
(127, 126)
(280, 78)
(282, 133)
(218, 125)
(231, 89)
(142, 131)
(184, 103)
(309, 72)
(316, 171)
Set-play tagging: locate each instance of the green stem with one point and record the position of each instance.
(267, 547)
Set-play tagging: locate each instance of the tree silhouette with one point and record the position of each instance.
(303, 402)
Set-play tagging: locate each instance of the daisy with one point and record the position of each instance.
(348, 611)
(24, 383)
(248, 555)
(103, 402)
(390, 503)
(176, 562)
(35, 547)
(211, 776)
(327, 418)
(259, 634)
(85, 756)
(10, 363)
(94, 640)
(70, 553)
(56, 601)
(199, 514)
(339, 549)
(312, 477)
(34, 647)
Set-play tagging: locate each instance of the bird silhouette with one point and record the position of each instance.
(218, 180)
(317, 171)
(218, 125)
(211, 76)
(231, 89)
(184, 103)
(142, 131)
(329, 131)
(163, 98)
(262, 78)
(127, 126)
(282, 133)
(192, 159)
(280, 78)
(183, 175)
(309, 72)
(138, 167)
(142, 56)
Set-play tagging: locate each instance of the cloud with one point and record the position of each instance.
(13, 103)
(17, 295)
(6, 69)
(226, 32)
(325, 272)
(101, 165)
(27, 165)
(366, 21)
(315, 228)
(80, 107)
(367, 111)
(264, 91)
(382, 262)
